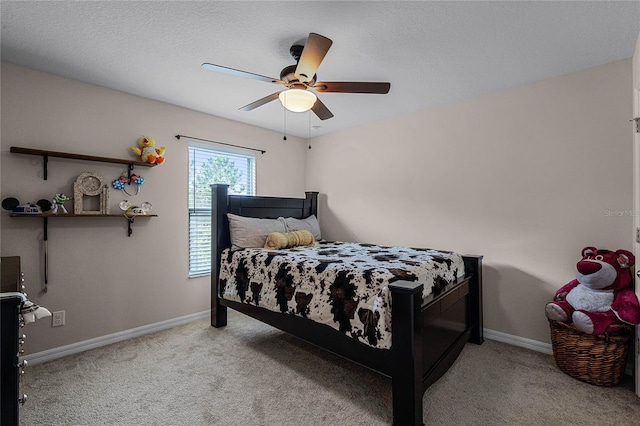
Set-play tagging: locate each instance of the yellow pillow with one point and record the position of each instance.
(278, 240)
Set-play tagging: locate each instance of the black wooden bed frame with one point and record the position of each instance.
(426, 337)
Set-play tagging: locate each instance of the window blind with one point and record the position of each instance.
(208, 165)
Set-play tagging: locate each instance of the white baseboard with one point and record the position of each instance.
(85, 345)
(523, 342)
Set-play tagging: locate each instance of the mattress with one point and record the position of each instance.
(342, 285)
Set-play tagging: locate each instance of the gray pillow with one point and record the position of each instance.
(250, 232)
(310, 224)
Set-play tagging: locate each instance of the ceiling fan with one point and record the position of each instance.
(302, 76)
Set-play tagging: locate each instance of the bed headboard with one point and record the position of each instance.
(254, 206)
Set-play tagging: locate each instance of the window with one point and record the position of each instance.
(209, 165)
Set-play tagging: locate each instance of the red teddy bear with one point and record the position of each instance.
(601, 295)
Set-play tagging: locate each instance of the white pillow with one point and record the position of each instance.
(251, 232)
(310, 224)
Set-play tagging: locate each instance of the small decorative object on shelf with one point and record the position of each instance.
(147, 151)
(132, 211)
(45, 205)
(10, 203)
(86, 188)
(14, 206)
(124, 180)
(58, 204)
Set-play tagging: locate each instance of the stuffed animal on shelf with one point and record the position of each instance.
(601, 298)
(58, 204)
(148, 152)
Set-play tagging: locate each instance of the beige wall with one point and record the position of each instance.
(524, 177)
(636, 65)
(105, 281)
(636, 182)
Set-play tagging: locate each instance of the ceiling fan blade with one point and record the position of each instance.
(313, 53)
(321, 110)
(352, 87)
(238, 73)
(260, 102)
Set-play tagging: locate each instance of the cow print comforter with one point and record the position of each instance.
(343, 285)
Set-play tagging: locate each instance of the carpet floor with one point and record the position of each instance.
(249, 373)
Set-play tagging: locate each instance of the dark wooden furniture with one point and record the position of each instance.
(11, 274)
(427, 336)
(11, 341)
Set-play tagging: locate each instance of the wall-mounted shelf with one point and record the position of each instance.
(45, 154)
(46, 216)
(80, 215)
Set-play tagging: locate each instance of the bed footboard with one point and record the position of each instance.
(406, 353)
(427, 339)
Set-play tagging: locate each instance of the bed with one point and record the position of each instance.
(427, 334)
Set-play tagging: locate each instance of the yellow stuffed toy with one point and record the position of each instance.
(148, 152)
(278, 240)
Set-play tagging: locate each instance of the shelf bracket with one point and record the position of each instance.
(129, 170)
(129, 229)
(45, 161)
(45, 238)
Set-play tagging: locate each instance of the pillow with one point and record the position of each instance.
(251, 232)
(310, 224)
(278, 240)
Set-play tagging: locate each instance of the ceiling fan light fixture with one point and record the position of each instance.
(297, 100)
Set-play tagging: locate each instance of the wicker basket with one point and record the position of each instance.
(596, 359)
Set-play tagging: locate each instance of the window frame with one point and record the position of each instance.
(193, 210)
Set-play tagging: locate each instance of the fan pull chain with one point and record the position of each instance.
(309, 133)
(284, 112)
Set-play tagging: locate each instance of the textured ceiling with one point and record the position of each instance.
(433, 53)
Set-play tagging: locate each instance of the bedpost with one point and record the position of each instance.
(219, 241)
(312, 197)
(406, 353)
(473, 267)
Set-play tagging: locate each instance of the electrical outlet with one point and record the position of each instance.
(57, 319)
